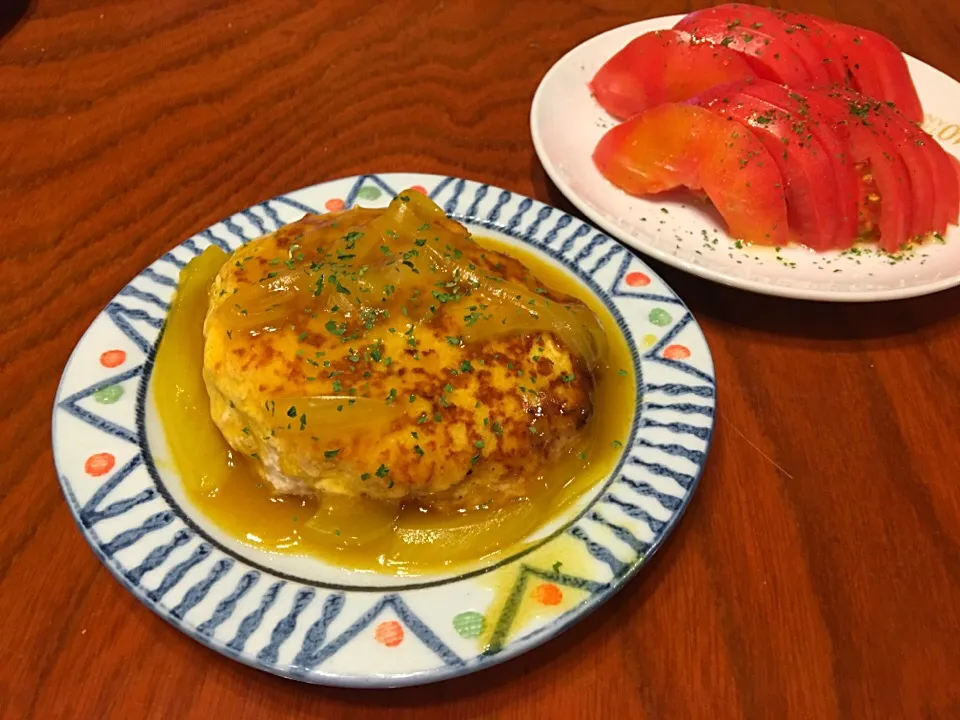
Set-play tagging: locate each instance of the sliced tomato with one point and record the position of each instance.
(772, 25)
(807, 121)
(918, 149)
(946, 188)
(864, 75)
(877, 66)
(663, 66)
(885, 198)
(930, 178)
(817, 31)
(891, 68)
(813, 199)
(955, 164)
(674, 146)
(762, 37)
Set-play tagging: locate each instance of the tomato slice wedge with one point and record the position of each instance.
(891, 68)
(813, 199)
(774, 48)
(953, 191)
(817, 32)
(946, 190)
(877, 66)
(955, 164)
(807, 121)
(934, 184)
(863, 68)
(885, 198)
(663, 66)
(772, 25)
(673, 146)
(931, 180)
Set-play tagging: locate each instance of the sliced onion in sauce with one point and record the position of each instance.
(347, 521)
(466, 536)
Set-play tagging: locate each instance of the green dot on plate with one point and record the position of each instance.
(108, 395)
(660, 317)
(369, 192)
(469, 624)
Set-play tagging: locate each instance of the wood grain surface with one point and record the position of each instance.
(817, 571)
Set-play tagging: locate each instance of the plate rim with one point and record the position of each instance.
(510, 650)
(705, 272)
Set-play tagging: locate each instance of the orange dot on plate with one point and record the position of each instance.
(113, 358)
(676, 352)
(334, 205)
(99, 464)
(547, 594)
(637, 279)
(420, 189)
(389, 633)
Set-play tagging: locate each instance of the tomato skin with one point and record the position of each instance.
(762, 38)
(861, 65)
(817, 32)
(813, 200)
(842, 166)
(896, 85)
(877, 67)
(676, 145)
(663, 66)
(953, 186)
(946, 192)
(770, 24)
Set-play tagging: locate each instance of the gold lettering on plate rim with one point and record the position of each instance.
(942, 130)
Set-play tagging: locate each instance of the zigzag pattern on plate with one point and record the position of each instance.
(300, 629)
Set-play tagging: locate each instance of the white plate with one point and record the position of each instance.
(313, 621)
(566, 123)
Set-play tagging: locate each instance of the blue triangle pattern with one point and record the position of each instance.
(351, 197)
(70, 405)
(121, 317)
(90, 513)
(617, 289)
(312, 654)
(295, 204)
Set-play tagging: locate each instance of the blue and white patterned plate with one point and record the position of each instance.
(302, 619)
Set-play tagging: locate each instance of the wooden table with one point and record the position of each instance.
(817, 571)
